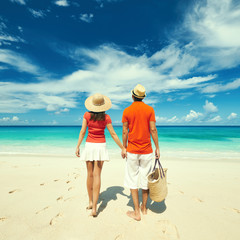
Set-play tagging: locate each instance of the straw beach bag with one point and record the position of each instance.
(157, 182)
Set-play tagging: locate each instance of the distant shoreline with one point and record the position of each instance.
(237, 126)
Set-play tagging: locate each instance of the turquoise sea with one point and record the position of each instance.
(63, 139)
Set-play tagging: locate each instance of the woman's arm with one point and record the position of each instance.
(81, 136)
(116, 139)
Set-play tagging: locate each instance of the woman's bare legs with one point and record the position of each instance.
(96, 185)
(90, 167)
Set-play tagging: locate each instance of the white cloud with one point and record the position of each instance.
(6, 38)
(174, 61)
(22, 2)
(108, 1)
(37, 13)
(111, 67)
(166, 120)
(213, 30)
(8, 119)
(55, 102)
(232, 116)
(17, 61)
(173, 119)
(215, 22)
(4, 119)
(20, 29)
(15, 118)
(86, 17)
(62, 111)
(214, 88)
(215, 119)
(209, 107)
(3, 68)
(161, 119)
(62, 3)
(192, 116)
(54, 122)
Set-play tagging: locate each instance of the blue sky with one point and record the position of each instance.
(55, 53)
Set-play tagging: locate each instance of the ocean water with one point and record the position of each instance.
(56, 140)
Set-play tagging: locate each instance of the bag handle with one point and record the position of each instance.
(162, 174)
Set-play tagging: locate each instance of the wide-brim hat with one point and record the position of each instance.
(139, 91)
(98, 103)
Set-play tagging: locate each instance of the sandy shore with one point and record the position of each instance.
(43, 197)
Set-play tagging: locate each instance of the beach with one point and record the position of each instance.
(45, 197)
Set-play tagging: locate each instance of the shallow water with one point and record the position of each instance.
(63, 140)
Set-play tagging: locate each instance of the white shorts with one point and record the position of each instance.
(138, 166)
(94, 152)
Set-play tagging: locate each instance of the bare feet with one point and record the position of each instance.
(143, 210)
(93, 214)
(89, 206)
(135, 216)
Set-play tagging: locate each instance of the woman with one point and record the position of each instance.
(95, 152)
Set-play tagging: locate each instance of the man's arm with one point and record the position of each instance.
(125, 134)
(154, 133)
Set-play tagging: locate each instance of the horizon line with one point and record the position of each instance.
(120, 125)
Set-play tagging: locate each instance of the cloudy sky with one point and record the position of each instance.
(55, 53)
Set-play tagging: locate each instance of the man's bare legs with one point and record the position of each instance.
(136, 213)
(96, 185)
(144, 201)
(94, 169)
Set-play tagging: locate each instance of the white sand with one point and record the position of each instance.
(43, 197)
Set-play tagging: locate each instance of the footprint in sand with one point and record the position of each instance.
(55, 219)
(60, 198)
(68, 182)
(198, 199)
(70, 198)
(55, 180)
(181, 192)
(15, 190)
(119, 237)
(42, 184)
(70, 188)
(236, 210)
(168, 230)
(42, 209)
(2, 219)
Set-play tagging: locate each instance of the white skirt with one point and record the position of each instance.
(94, 152)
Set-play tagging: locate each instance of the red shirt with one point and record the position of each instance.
(138, 115)
(96, 128)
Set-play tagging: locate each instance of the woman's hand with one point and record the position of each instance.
(124, 153)
(77, 152)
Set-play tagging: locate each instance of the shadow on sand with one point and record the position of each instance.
(111, 194)
(108, 195)
(157, 207)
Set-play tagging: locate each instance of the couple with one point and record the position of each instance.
(138, 126)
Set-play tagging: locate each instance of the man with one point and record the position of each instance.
(139, 125)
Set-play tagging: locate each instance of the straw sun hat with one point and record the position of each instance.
(139, 91)
(98, 103)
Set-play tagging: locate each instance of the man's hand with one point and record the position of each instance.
(157, 153)
(124, 153)
(77, 152)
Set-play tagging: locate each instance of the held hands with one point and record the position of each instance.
(157, 153)
(77, 152)
(124, 153)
